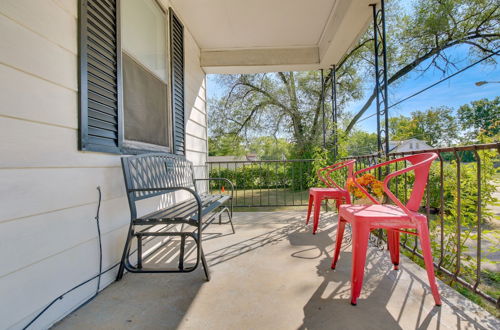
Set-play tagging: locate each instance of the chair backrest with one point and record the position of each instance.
(156, 170)
(420, 165)
(324, 174)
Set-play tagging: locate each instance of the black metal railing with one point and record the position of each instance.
(458, 202)
(265, 183)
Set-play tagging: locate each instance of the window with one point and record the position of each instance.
(131, 90)
(144, 34)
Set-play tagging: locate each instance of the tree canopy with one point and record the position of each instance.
(436, 126)
(481, 116)
(288, 104)
(419, 38)
(264, 147)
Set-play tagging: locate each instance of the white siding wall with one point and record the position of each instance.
(48, 196)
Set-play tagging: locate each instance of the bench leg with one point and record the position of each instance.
(181, 254)
(230, 215)
(125, 253)
(205, 265)
(139, 251)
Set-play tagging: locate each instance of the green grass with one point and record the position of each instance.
(269, 197)
(270, 200)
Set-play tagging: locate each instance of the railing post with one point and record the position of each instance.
(323, 106)
(381, 92)
(333, 73)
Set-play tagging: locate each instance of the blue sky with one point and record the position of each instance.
(453, 92)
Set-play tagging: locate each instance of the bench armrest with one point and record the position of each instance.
(220, 179)
(172, 189)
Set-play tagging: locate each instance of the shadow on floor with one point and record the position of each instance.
(274, 274)
(329, 306)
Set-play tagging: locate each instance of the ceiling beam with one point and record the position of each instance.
(260, 59)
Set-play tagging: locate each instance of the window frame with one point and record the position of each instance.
(132, 146)
(122, 145)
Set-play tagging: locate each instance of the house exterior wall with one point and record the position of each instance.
(48, 195)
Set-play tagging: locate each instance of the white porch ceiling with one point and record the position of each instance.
(243, 36)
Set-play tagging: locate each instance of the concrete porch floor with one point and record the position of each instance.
(274, 274)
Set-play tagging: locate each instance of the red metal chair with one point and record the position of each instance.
(333, 190)
(393, 218)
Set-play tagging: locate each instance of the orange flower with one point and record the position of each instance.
(378, 188)
(359, 194)
(367, 181)
(369, 178)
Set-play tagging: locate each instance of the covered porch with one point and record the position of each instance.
(67, 130)
(274, 274)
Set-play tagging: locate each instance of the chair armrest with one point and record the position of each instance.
(348, 163)
(329, 169)
(220, 179)
(392, 175)
(172, 189)
(363, 190)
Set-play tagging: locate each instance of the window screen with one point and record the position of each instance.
(144, 33)
(145, 104)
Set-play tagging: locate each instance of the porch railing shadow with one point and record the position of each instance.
(329, 307)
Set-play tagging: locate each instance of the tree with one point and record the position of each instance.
(278, 104)
(481, 116)
(418, 40)
(226, 145)
(436, 126)
(269, 148)
(288, 104)
(361, 143)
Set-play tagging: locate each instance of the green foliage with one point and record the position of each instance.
(226, 145)
(480, 117)
(468, 206)
(270, 148)
(437, 126)
(421, 37)
(322, 158)
(361, 143)
(291, 175)
(265, 147)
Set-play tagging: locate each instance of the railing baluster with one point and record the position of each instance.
(441, 209)
(479, 220)
(291, 184)
(260, 185)
(459, 215)
(251, 180)
(284, 184)
(268, 170)
(276, 182)
(244, 181)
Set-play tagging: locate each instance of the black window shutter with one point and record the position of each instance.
(100, 84)
(177, 82)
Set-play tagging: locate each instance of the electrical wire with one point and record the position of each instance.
(436, 83)
(98, 276)
(444, 79)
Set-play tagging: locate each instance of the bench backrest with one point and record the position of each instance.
(155, 170)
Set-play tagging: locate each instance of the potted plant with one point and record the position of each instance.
(370, 183)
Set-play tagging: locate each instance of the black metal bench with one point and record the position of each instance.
(151, 175)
